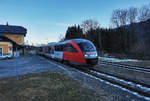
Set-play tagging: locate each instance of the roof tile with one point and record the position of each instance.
(13, 29)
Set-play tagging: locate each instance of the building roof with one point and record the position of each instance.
(13, 29)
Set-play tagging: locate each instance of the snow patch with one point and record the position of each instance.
(117, 60)
(124, 89)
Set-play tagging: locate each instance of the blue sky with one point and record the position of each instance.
(45, 20)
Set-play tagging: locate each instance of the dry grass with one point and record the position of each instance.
(145, 63)
(138, 76)
(45, 87)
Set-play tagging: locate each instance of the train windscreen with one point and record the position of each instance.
(86, 47)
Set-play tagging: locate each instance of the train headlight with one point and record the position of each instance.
(85, 55)
(94, 54)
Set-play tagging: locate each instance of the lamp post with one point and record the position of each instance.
(16, 71)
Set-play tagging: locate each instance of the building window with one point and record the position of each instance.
(1, 51)
(10, 48)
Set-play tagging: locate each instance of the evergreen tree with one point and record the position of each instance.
(74, 32)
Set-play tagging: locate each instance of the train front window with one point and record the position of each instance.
(86, 47)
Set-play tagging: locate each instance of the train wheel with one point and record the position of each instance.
(65, 62)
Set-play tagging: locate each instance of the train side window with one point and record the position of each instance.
(52, 51)
(69, 48)
(55, 48)
(40, 49)
(73, 49)
(61, 47)
(48, 49)
(65, 48)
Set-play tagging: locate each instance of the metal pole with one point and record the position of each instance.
(17, 74)
(100, 44)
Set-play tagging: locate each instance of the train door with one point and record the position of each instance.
(58, 54)
(52, 52)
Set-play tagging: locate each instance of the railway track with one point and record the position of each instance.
(137, 88)
(134, 87)
(124, 66)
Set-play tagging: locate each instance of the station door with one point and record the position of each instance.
(1, 51)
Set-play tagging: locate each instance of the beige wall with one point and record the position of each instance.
(16, 38)
(6, 47)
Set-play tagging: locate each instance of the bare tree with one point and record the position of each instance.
(61, 37)
(89, 24)
(119, 17)
(144, 13)
(90, 27)
(123, 17)
(132, 15)
(115, 18)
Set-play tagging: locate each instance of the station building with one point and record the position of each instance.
(11, 40)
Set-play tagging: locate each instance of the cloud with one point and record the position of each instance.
(64, 24)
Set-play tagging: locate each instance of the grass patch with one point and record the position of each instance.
(47, 86)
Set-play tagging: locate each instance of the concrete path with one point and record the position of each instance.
(24, 65)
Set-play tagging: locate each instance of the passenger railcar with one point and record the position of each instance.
(75, 51)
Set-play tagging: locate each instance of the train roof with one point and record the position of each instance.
(52, 43)
(79, 40)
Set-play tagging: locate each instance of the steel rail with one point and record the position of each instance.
(110, 78)
(129, 67)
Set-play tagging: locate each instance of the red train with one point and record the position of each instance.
(75, 51)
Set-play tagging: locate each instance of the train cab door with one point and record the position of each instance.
(70, 53)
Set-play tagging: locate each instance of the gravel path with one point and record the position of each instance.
(24, 65)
